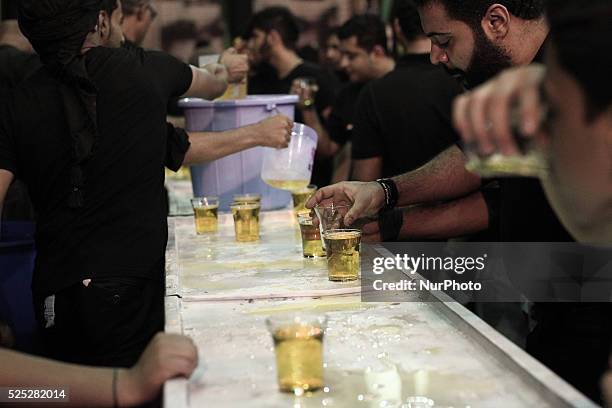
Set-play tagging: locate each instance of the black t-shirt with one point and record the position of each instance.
(121, 229)
(323, 168)
(342, 117)
(405, 116)
(525, 213)
(16, 65)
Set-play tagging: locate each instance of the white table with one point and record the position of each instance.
(220, 293)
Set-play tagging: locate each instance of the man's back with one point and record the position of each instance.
(121, 228)
(404, 117)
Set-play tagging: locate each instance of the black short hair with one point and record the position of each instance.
(129, 7)
(279, 19)
(406, 13)
(473, 11)
(177, 31)
(10, 9)
(110, 6)
(369, 30)
(581, 34)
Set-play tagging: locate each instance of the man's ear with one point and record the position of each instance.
(496, 22)
(104, 24)
(141, 13)
(274, 38)
(378, 51)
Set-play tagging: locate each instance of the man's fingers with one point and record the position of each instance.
(356, 211)
(477, 121)
(530, 111)
(498, 113)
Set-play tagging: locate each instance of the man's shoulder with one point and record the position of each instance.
(416, 76)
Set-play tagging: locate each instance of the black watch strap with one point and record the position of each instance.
(391, 193)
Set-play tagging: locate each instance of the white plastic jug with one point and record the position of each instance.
(291, 168)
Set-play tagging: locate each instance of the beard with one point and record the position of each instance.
(488, 60)
(261, 55)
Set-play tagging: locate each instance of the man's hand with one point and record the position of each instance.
(167, 356)
(367, 199)
(484, 116)
(371, 232)
(274, 132)
(306, 91)
(237, 65)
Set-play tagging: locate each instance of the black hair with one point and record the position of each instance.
(473, 11)
(109, 6)
(10, 9)
(369, 30)
(129, 7)
(406, 13)
(580, 32)
(179, 30)
(277, 19)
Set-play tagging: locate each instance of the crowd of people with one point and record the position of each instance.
(83, 124)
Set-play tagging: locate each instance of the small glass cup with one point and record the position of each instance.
(331, 216)
(247, 198)
(206, 214)
(246, 221)
(298, 344)
(300, 197)
(529, 162)
(311, 237)
(343, 254)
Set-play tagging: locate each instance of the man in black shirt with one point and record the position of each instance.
(574, 339)
(403, 119)
(365, 57)
(272, 38)
(97, 184)
(464, 48)
(17, 62)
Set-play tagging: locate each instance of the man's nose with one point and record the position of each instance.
(438, 55)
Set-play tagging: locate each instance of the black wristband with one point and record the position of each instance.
(391, 193)
(390, 224)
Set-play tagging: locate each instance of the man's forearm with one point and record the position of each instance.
(325, 146)
(443, 178)
(461, 217)
(85, 386)
(209, 146)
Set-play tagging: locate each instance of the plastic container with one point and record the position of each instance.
(291, 168)
(241, 172)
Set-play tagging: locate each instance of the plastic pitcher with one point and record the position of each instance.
(238, 173)
(291, 168)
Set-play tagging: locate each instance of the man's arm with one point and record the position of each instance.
(167, 356)
(6, 178)
(367, 169)
(208, 146)
(326, 147)
(206, 84)
(443, 178)
(457, 218)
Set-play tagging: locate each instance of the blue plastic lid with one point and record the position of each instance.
(251, 100)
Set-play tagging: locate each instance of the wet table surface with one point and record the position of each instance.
(376, 354)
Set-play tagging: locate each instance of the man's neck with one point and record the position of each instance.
(129, 30)
(528, 45)
(383, 67)
(285, 61)
(418, 46)
(11, 35)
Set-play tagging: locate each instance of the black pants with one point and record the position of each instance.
(107, 323)
(573, 340)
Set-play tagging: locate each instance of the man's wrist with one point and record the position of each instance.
(129, 390)
(391, 194)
